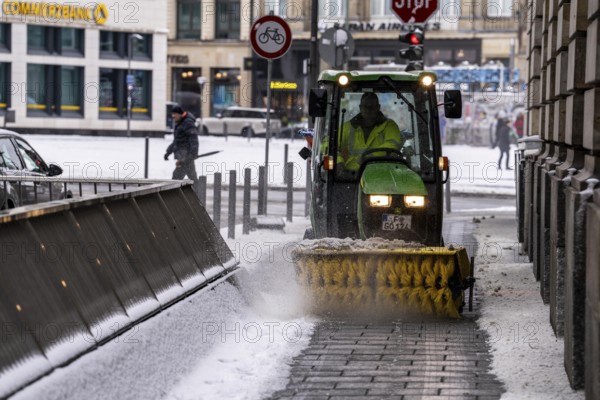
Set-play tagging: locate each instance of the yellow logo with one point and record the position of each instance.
(54, 11)
(101, 14)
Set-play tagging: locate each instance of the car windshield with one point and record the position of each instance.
(396, 124)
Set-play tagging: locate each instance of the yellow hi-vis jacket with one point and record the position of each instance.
(352, 143)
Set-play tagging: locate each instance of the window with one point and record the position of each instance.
(227, 23)
(113, 94)
(51, 40)
(331, 10)
(283, 8)
(381, 8)
(225, 89)
(33, 162)
(4, 37)
(9, 157)
(54, 90)
(499, 8)
(188, 19)
(115, 45)
(413, 128)
(4, 86)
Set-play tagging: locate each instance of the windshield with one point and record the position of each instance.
(378, 122)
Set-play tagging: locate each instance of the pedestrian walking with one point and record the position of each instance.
(504, 133)
(184, 145)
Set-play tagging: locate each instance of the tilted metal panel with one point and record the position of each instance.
(156, 257)
(21, 360)
(36, 293)
(192, 233)
(114, 263)
(210, 234)
(73, 261)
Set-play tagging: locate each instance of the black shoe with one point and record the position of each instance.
(509, 168)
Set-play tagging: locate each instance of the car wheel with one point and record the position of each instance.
(248, 132)
(204, 131)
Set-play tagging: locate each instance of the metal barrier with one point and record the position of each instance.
(72, 270)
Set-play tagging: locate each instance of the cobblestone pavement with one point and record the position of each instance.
(404, 359)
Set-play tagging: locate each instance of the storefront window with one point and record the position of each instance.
(227, 21)
(109, 96)
(113, 94)
(70, 88)
(188, 19)
(226, 89)
(186, 89)
(4, 85)
(54, 90)
(140, 96)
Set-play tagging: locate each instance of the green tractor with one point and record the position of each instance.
(381, 179)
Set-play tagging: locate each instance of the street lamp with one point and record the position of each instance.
(201, 82)
(129, 79)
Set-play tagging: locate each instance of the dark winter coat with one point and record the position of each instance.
(185, 139)
(503, 137)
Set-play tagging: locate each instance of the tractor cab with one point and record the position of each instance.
(377, 164)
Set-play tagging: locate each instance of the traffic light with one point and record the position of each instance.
(414, 53)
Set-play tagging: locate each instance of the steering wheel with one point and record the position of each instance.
(388, 152)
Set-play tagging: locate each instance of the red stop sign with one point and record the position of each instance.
(416, 11)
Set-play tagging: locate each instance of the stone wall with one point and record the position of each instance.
(564, 109)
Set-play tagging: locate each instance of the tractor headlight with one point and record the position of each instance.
(343, 80)
(377, 200)
(414, 201)
(427, 80)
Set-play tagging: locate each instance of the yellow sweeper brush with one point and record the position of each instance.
(424, 280)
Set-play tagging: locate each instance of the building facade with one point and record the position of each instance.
(212, 66)
(70, 67)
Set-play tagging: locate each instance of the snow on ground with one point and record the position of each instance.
(528, 357)
(472, 169)
(228, 342)
(237, 342)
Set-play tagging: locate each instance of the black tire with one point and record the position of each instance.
(204, 131)
(248, 132)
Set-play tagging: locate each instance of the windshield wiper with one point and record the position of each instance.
(389, 82)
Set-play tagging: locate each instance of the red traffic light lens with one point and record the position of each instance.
(414, 39)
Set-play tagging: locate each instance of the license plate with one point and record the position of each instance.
(394, 222)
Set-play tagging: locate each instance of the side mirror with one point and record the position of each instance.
(54, 170)
(452, 104)
(317, 102)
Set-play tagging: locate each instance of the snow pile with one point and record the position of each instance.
(349, 244)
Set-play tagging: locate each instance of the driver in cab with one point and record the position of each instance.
(369, 129)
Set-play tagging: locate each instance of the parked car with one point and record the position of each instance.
(240, 121)
(293, 131)
(19, 159)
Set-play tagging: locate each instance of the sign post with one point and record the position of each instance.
(414, 11)
(270, 38)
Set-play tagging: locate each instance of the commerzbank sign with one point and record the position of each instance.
(95, 12)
